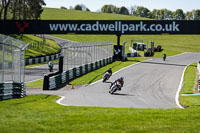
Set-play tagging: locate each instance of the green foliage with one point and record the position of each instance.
(197, 14)
(78, 7)
(62, 7)
(142, 12)
(123, 10)
(21, 9)
(113, 9)
(179, 14)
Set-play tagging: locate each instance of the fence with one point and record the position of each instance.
(78, 54)
(79, 59)
(12, 62)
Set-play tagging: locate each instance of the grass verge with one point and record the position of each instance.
(36, 83)
(188, 88)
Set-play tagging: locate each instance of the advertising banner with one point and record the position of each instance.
(120, 27)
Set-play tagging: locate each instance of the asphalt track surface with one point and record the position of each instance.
(149, 84)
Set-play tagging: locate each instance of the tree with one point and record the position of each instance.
(21, 9)
(142, 11)
(189, 15)
(132, 10)
(62, 7)
(109, 9)
(1, 7)
(87, 9)
(6, 5)
(78, 7)
(179, 14)
(36, 8)
(197, 14)
(123, 10)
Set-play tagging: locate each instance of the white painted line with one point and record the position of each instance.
(59, 101)
(179, 89)
(120, 70)
(33, 80)
(177, 55)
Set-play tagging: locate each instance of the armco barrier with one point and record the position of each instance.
(11, 90)
(58, 80)
(42, 59)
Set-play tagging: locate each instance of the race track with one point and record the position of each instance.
(149, 84)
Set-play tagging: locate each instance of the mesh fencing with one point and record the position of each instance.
(12, 59)
(77, 54)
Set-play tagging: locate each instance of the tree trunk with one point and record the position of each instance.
(2, 7)
(14, 10)
(6, 9)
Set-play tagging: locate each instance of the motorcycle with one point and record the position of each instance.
(115, 87)
(106, 76)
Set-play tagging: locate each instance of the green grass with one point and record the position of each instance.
(36, 83)
(61, 14)
(188, 87)
(171, 44)
(49, 47)
(189, 79)
(40, 113)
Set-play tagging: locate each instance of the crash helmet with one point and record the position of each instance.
(122, 78)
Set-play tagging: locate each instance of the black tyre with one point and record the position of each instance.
(113, 90)
(104, 79)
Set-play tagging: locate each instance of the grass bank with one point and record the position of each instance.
(39, 47)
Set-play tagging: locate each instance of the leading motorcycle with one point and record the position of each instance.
(116, 86)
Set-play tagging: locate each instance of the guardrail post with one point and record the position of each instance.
(46, 82)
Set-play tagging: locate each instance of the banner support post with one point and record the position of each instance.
(118, 39)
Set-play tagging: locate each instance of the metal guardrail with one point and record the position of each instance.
(42, 59)
(61, 79)
(11, 90)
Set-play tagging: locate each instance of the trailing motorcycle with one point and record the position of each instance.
(106, 76)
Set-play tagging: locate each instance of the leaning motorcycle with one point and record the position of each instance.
(115, 87)
(106, 76)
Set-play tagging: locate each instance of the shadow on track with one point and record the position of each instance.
(147, 62)
(121, 94)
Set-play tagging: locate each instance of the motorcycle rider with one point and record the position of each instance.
(108, 71)
(164, 57)
(120, 80)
